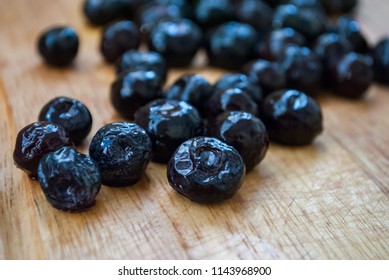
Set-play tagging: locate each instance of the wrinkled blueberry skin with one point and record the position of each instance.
(339, 6)
(133, 90)
(352, 76)
(168, 123)
(133, 60)
(177, 41)
(209, 14)
(118, 38)
(192, 88)
(122, 151)
(277, 41)
(240, 81)
(243, 131)
(231, 45)
(349, 28)
(270, 76)
(303, 69)
(232, 99)
(36, 140)
(292, 117)
(256, 13)
(310, 22)
(70, 180)
(381, 61)
(71, 114)
(58, 46)
(206, 170)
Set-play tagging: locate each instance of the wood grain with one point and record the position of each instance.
(325, 201)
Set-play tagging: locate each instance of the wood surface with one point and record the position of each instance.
(325, 201)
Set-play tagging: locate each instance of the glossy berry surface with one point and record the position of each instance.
(256, 13)
(349, 28)
(231, 45)
(168, 123)
(381, 61)
(100, 12)
(36, 140)
(240, 81)
(71, 114)
(177, 41)
(192, 88)
(206, 170)
(232, 99)
(209, 14)
(133, 60)
(122, 151)
(303, 69)
(243, 131)
(270, 76)
(352, 76)
(133, 90)
(292, 117)
(70, 180)
(58, 46)
(118, 38)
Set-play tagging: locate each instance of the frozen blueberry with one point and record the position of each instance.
(71, 114)
(270, 76)
(36, 140)
(70, 180)
(133, 60)
(58, 45)
(122, 151)
(349, 28)
(177, 41)
(292, 117)
(231, 45)
(192, 88)
(256, 13)
(243, 131)
(118, 38)
(381, 61)
(168, 123)
(206, 170)
(232, 99)
(133, 90)
(209, 14)
(240, 81)
(352, 75)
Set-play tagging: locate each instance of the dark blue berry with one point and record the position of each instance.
(168, 123)
(339, 6)
(256, 13)
(381, 61)
(122, 151)
(58, 46)
(71, 114)
(100, 12)
(206, 170)
(209, 14)
(70, 180)
(351, 30)
(36, 140)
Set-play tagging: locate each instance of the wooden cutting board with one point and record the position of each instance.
(325, 201)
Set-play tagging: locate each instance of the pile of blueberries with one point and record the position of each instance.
(280, 53)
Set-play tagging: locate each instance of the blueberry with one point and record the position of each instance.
(303, 69)
(36, 140)
(292, 117)
(100, 12)
(136, 60)
(269, 76)
(177, 41)
(339, 6)
(243, 131)
(209, 14)
(231, 45)
(58, 45)
(206, 170)
(134, 89)
(70, 180)
(118, 38)
(168, 123)
(256, 13)
(232, 99)
(352, 76)
(381, 61)
(351, 30)
(192, 88)
(240, 81)
(122, 151)
(71, 114)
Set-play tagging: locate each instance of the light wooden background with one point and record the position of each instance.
(325, 201)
